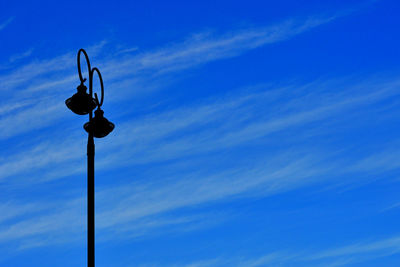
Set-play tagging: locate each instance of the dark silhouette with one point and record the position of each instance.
(83, 103)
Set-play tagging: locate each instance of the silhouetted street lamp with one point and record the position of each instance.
(83, 103)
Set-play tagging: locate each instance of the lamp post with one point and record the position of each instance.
(83, 103)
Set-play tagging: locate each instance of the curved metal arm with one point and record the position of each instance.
(90, 73)
(99, 103)
(79, 64)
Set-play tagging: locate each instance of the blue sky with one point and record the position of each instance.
(248, 133)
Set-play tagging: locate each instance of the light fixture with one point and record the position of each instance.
(81, 103)
(99, 125)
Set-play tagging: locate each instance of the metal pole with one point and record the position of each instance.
(90, 149)
(90, 194)
(90, 183)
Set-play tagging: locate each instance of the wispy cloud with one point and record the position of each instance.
(340, 256)
(194, 51)
(6, 23)
(382, 247)
(33, 101)
(234, 120)
(240, 119)
(206, 47)
(393, 206)
(20, 56)
(11, 210)
(181, 132)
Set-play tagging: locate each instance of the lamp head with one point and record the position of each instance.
(99, 125)
(81, 103)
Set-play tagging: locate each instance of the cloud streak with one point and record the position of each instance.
(6, 23)
(340, 256)
(194, 131)
(27, 83)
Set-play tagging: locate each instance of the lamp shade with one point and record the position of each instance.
(99, 125)
(81, 103)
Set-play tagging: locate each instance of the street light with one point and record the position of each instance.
(83, 103)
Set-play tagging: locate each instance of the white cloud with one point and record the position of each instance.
(145, 205)
(341, 256)
(20, 56)
(166, 136)
(6, 23)
(31, 81)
